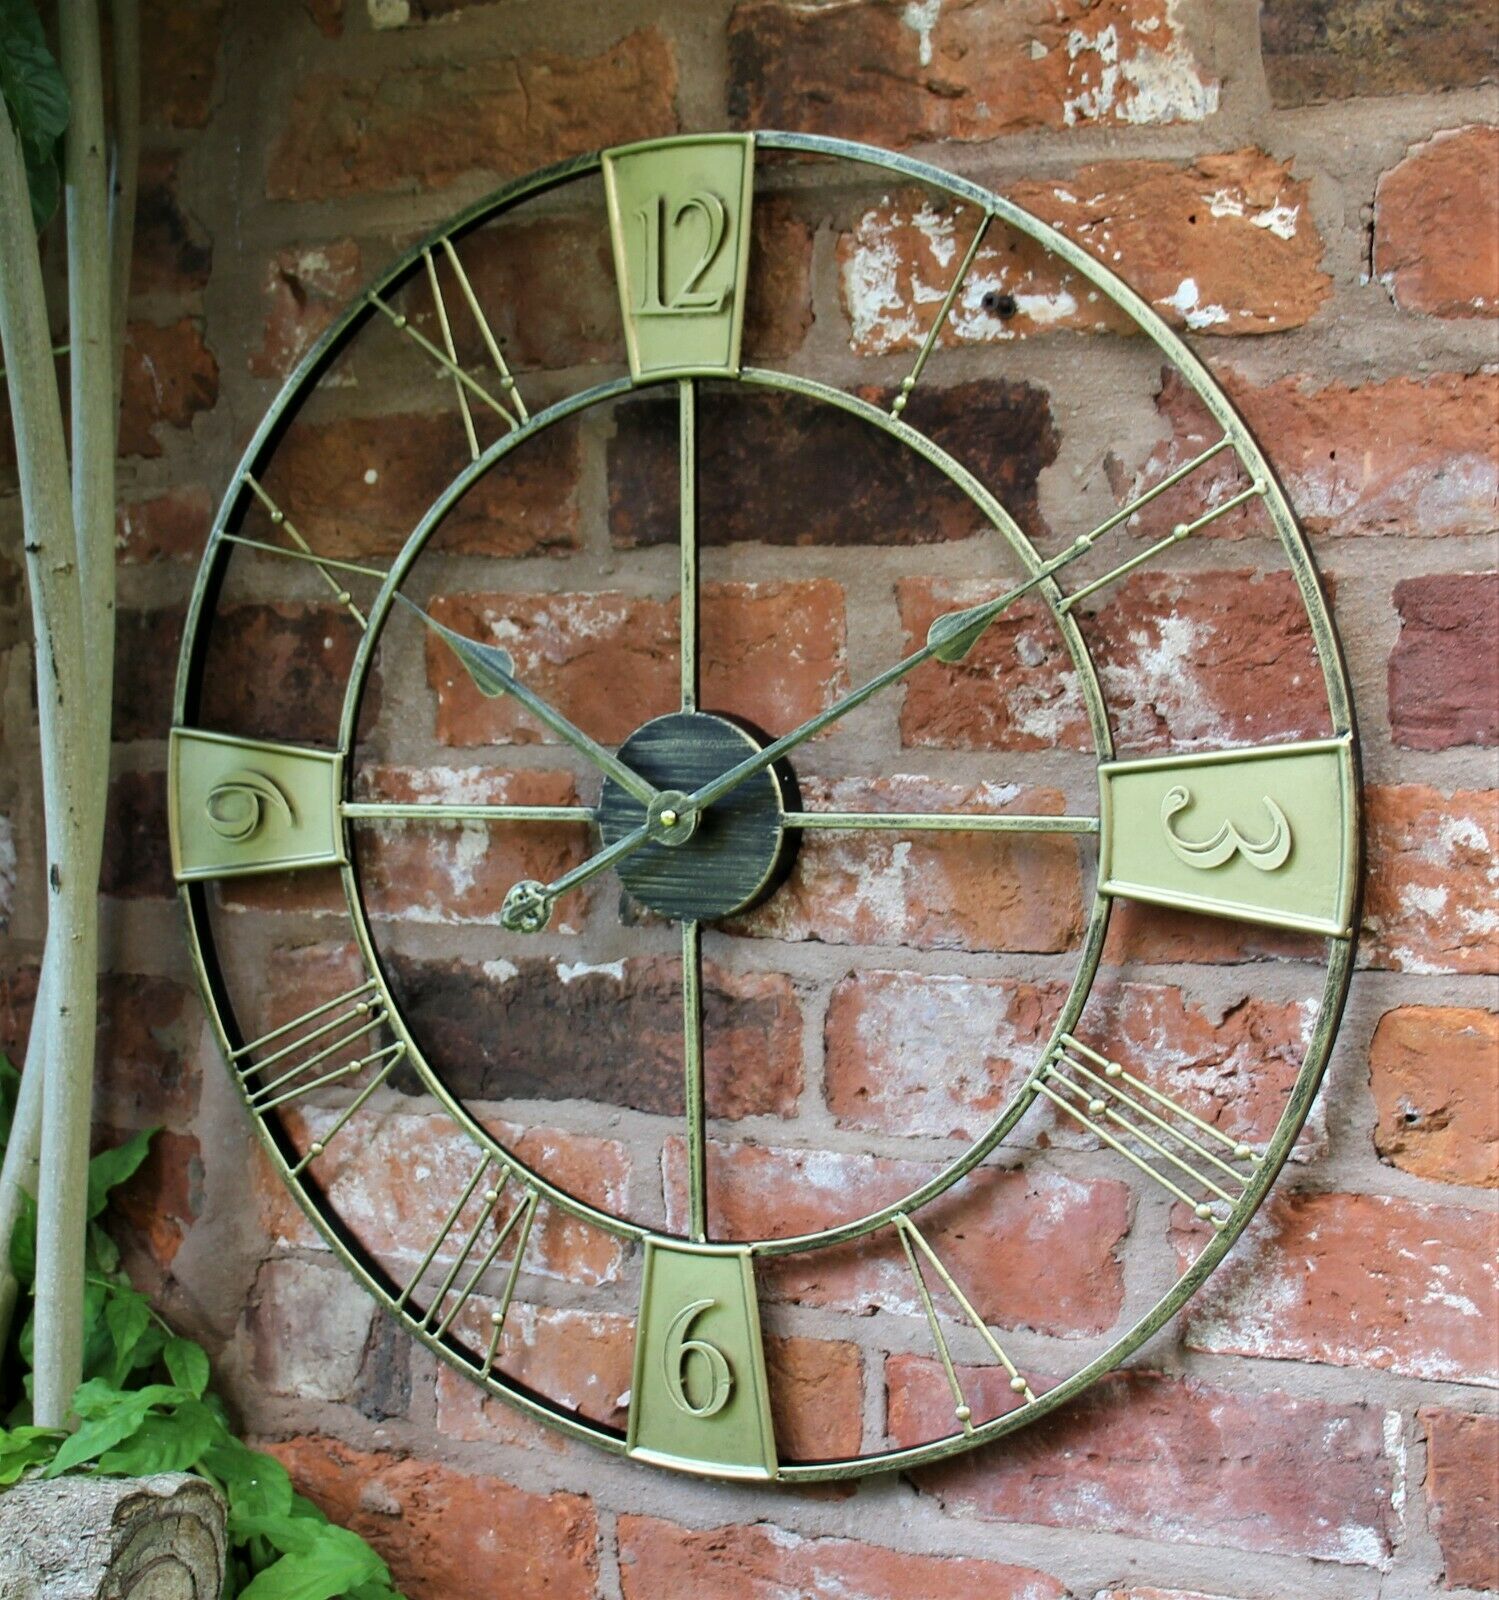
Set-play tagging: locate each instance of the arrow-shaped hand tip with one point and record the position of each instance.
(491, 668)
(954, 634)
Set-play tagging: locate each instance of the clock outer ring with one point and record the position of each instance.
(1340, 962)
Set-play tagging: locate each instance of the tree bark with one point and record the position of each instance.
(92, 1538)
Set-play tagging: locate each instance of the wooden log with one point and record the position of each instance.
(87, 1538)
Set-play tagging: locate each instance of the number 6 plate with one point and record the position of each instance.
(699, 1400)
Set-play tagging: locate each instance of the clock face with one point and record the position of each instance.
(601, 981)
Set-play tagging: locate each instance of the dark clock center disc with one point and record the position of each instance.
(739, 849)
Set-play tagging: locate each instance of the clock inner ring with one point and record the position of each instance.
(731, 855)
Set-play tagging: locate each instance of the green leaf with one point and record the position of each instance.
(101, 1254)
(332, 1563)
(188, 1365)
(10, 1092)
(98, 1397)
(23, 1242)
(23, 1448)
(36, 99)
(257, 1484)
(110, 1168)
(127, 1315)
(169, 1442)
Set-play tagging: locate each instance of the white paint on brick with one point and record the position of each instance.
(7, 870)
(1186, 300)
(921, 16)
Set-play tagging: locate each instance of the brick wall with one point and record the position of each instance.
(1313, 186)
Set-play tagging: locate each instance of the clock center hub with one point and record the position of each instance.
(700, 866)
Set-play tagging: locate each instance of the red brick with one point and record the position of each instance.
(159, 1203)
(171, 526)
(1224, 246)
(327, 15)
(445, 1533)
(1155, 1594)
(1354, 1280)
(539, 1030)
(964, 891)
(1436, 224)
(1158, 936)
(1444, 669)
(1413, 457)
(173, 255)
(146, 1045)
(961, 72)
(170, 377)
(1261, 1472)
(304, 289)
(893, 1063)
(762, 1562)
(369, 1173)
(1461, 1452)
(422, 124)
(1183, 659)
(145, 680)
(137, 857)
(1318, 50)
(1431, 893)
(784, 470)
(359, 486)
(179, 64)
(1432, 1070)
(279, 670)
(454, 874)
(771, 652)
(1030, 1250)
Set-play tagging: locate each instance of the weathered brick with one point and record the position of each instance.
(962, 72)
(780, 469)
(307, 1324)
(1158, 936)
(304, 289)
(1224, 246)
(278, 671)
(1431, 893)
(422, 124)
(462, 873)
(1261, 1472)
(7, 868)
(965, 891)
(179, 66)
(1183, 660)
(539, 1030)
(1408, 456)
(1318, 50)
(359, 486)
(894, 1062)
(1432, 1070)
(1436, 226)
(145, 678)
(137, 857)
(171, 526)
(1036, 1250)
(1461, 1449)
(1354, 1280)
(761, 1562)
(146, 1069)
(773, 652)
(158, 1204)
(1444, 669)
(445, 1533)
(1152, 1593)
(173, 255)
(170, 377)
(367, 1175)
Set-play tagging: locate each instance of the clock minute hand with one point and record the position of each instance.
(493, 674)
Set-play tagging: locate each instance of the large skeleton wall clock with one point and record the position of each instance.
(475, 758)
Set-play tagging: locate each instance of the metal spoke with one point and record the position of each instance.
(304, 551)
(692, 1069)
(687, 454)
(941, 821)
(939, 321)
(402, 811)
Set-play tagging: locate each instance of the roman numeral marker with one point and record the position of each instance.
(302, 551)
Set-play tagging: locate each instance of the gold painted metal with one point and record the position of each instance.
(677, 1324)
(939, 322)
(688, 591)
(679, 220)
(938, 821)
(241, 806)
(692, 1071)
(700, 1400)
(1260, 834)
(302, 551)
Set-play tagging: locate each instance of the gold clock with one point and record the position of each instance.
(674, 825)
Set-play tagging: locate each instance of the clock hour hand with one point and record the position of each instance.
(528, 906)
(493, 673)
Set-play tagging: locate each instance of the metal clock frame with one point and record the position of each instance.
(992, 207)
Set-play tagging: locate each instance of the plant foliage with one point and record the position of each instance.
(144, 1407)
(36, 97)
